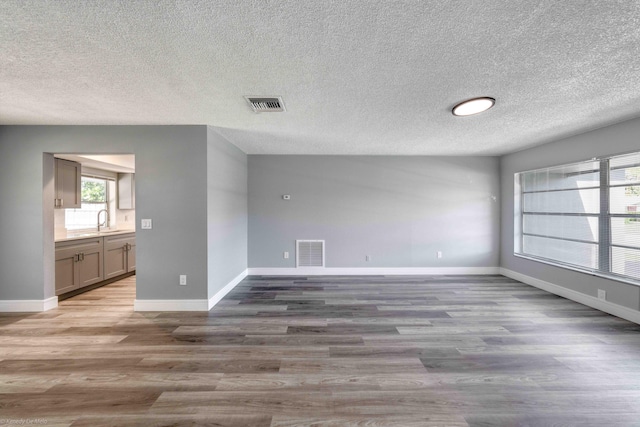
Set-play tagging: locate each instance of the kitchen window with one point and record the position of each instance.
(95, 196)
(584, 216)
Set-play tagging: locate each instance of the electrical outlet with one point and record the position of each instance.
(602, 294)
(367, 258)
(183, 279)
(285, 255)
(439, 254)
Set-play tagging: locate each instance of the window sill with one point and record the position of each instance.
(615, 278)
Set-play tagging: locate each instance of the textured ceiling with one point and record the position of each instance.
(357, 77)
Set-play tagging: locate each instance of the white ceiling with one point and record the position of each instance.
(125, 163)
(357, 77)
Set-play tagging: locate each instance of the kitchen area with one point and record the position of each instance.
(94, 220)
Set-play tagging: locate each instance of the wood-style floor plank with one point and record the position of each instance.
(325, 351)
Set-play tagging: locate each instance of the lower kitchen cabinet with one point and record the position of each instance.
(85, 262)
(119, 255)
(79, 263)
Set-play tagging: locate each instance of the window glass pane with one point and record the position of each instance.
(94, 199)
(569, 201)
(561, 219)
(626, 262)
(94, 190)
(625, 231)
(580, 254)
(569, 227)
(578, 175)
(625, 200)
(625, 169)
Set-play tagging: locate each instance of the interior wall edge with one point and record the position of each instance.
(215, 299)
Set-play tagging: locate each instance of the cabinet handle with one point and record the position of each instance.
(76, 258)
(82, 256)
(61, 202)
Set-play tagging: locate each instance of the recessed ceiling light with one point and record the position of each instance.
(473, 106)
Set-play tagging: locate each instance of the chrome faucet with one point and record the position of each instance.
(106, 219)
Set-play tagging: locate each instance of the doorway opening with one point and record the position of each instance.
(94, 221)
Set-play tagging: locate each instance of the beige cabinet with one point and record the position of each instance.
(126, 191)
(66, 269)
(131, 255)
(119, 255)
(79, 263)
(68, 176)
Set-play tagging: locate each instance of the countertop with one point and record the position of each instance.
(67, 236)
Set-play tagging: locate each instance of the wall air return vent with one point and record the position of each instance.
(264, 104)
(309, 253)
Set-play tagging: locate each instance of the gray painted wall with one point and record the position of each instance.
(226, 211)
(617, 139)
(398, 210)
(171, 189)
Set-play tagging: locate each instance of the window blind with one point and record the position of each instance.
(585, 215)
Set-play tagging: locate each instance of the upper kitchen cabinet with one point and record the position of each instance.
(67, 183)
(126, 191)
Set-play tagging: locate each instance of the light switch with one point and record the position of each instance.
(146, 224)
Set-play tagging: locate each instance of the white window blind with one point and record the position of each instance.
(584, 215)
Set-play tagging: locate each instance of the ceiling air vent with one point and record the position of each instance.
(263, 104)
(310, 253)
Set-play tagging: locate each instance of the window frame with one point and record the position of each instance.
(106, 203)
(604, 243)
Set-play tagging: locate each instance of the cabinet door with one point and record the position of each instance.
(131, 255)
(90, 266)
(68, 184)
(115, 256)
(126, 191)
(66, 270)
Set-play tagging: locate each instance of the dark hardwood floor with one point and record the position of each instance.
(325, 351)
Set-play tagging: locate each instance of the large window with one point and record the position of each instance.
(582, 215)
(95, 197)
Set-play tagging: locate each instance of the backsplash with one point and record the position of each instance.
(124, 219)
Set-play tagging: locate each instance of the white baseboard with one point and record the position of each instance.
(588, 300)
(224, 291)
(170, 305)
(187, 304)
(50, 303)
(28, 306)
(405, 271)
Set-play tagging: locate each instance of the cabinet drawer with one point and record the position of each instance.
(90, 245)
